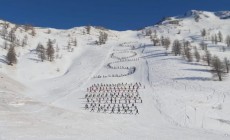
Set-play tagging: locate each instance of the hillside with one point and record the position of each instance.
(138, 91)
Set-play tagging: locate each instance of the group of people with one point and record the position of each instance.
(119, 98)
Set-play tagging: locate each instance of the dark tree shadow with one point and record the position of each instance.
(194, 64)
(173, 58)
(154, 55)
(193, 78)
(33, 51)
(144, 46)
(3, 60)
(199, 70)
(35, 59)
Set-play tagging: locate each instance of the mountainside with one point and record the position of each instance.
(128, 87)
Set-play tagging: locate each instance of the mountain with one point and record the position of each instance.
(175, 98)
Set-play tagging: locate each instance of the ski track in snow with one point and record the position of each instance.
(180, 101)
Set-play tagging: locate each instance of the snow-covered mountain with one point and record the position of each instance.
(46, 100)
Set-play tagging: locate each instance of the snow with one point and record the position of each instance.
(45, 100)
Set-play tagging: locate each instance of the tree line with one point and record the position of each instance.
(219, 68)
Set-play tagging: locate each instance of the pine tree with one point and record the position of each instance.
(176, 48)
(188, 54)
(226, 63)
(12, 36)
(41, 52)
(11, 55)
(220, 37)
(215, 39)
(207, 57)
(50, 51)
(227, 40)
(203, 45)
(218, 68)
(203, 33)
(162, 41)
(167, 42)
(197, 55)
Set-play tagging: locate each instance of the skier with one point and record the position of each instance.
(118, 110)
(137, 111)
(113, 109)
(92, 109)
(98, 109)
(86, 106)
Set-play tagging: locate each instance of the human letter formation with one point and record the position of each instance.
(119, 98)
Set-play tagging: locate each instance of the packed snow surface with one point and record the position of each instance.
(179, 99)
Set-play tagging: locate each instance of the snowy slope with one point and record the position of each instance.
(45, 100)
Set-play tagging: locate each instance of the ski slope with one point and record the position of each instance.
(45, 100)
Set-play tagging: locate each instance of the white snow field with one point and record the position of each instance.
(181, 101)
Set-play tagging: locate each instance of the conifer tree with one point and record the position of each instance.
(218, 68)
(50, 50)
(11, 55)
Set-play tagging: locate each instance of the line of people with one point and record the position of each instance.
(117, 88)
(112, 108)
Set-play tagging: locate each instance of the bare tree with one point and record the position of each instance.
(6, 25)
(226, 63)
(227, 40)
(69, 46)
(155, 40)
(74, 41)
(207, 57)
(88, 29)
(196, 54)
(50, 50)
(24, 41)
(103, 37)
(57, 48)
(218, 68)
(4, 32)
(148, 32)
(176, 48)
(11, 55)
(27, 27)
(5, 45)
(33, 32)
(48, 31)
